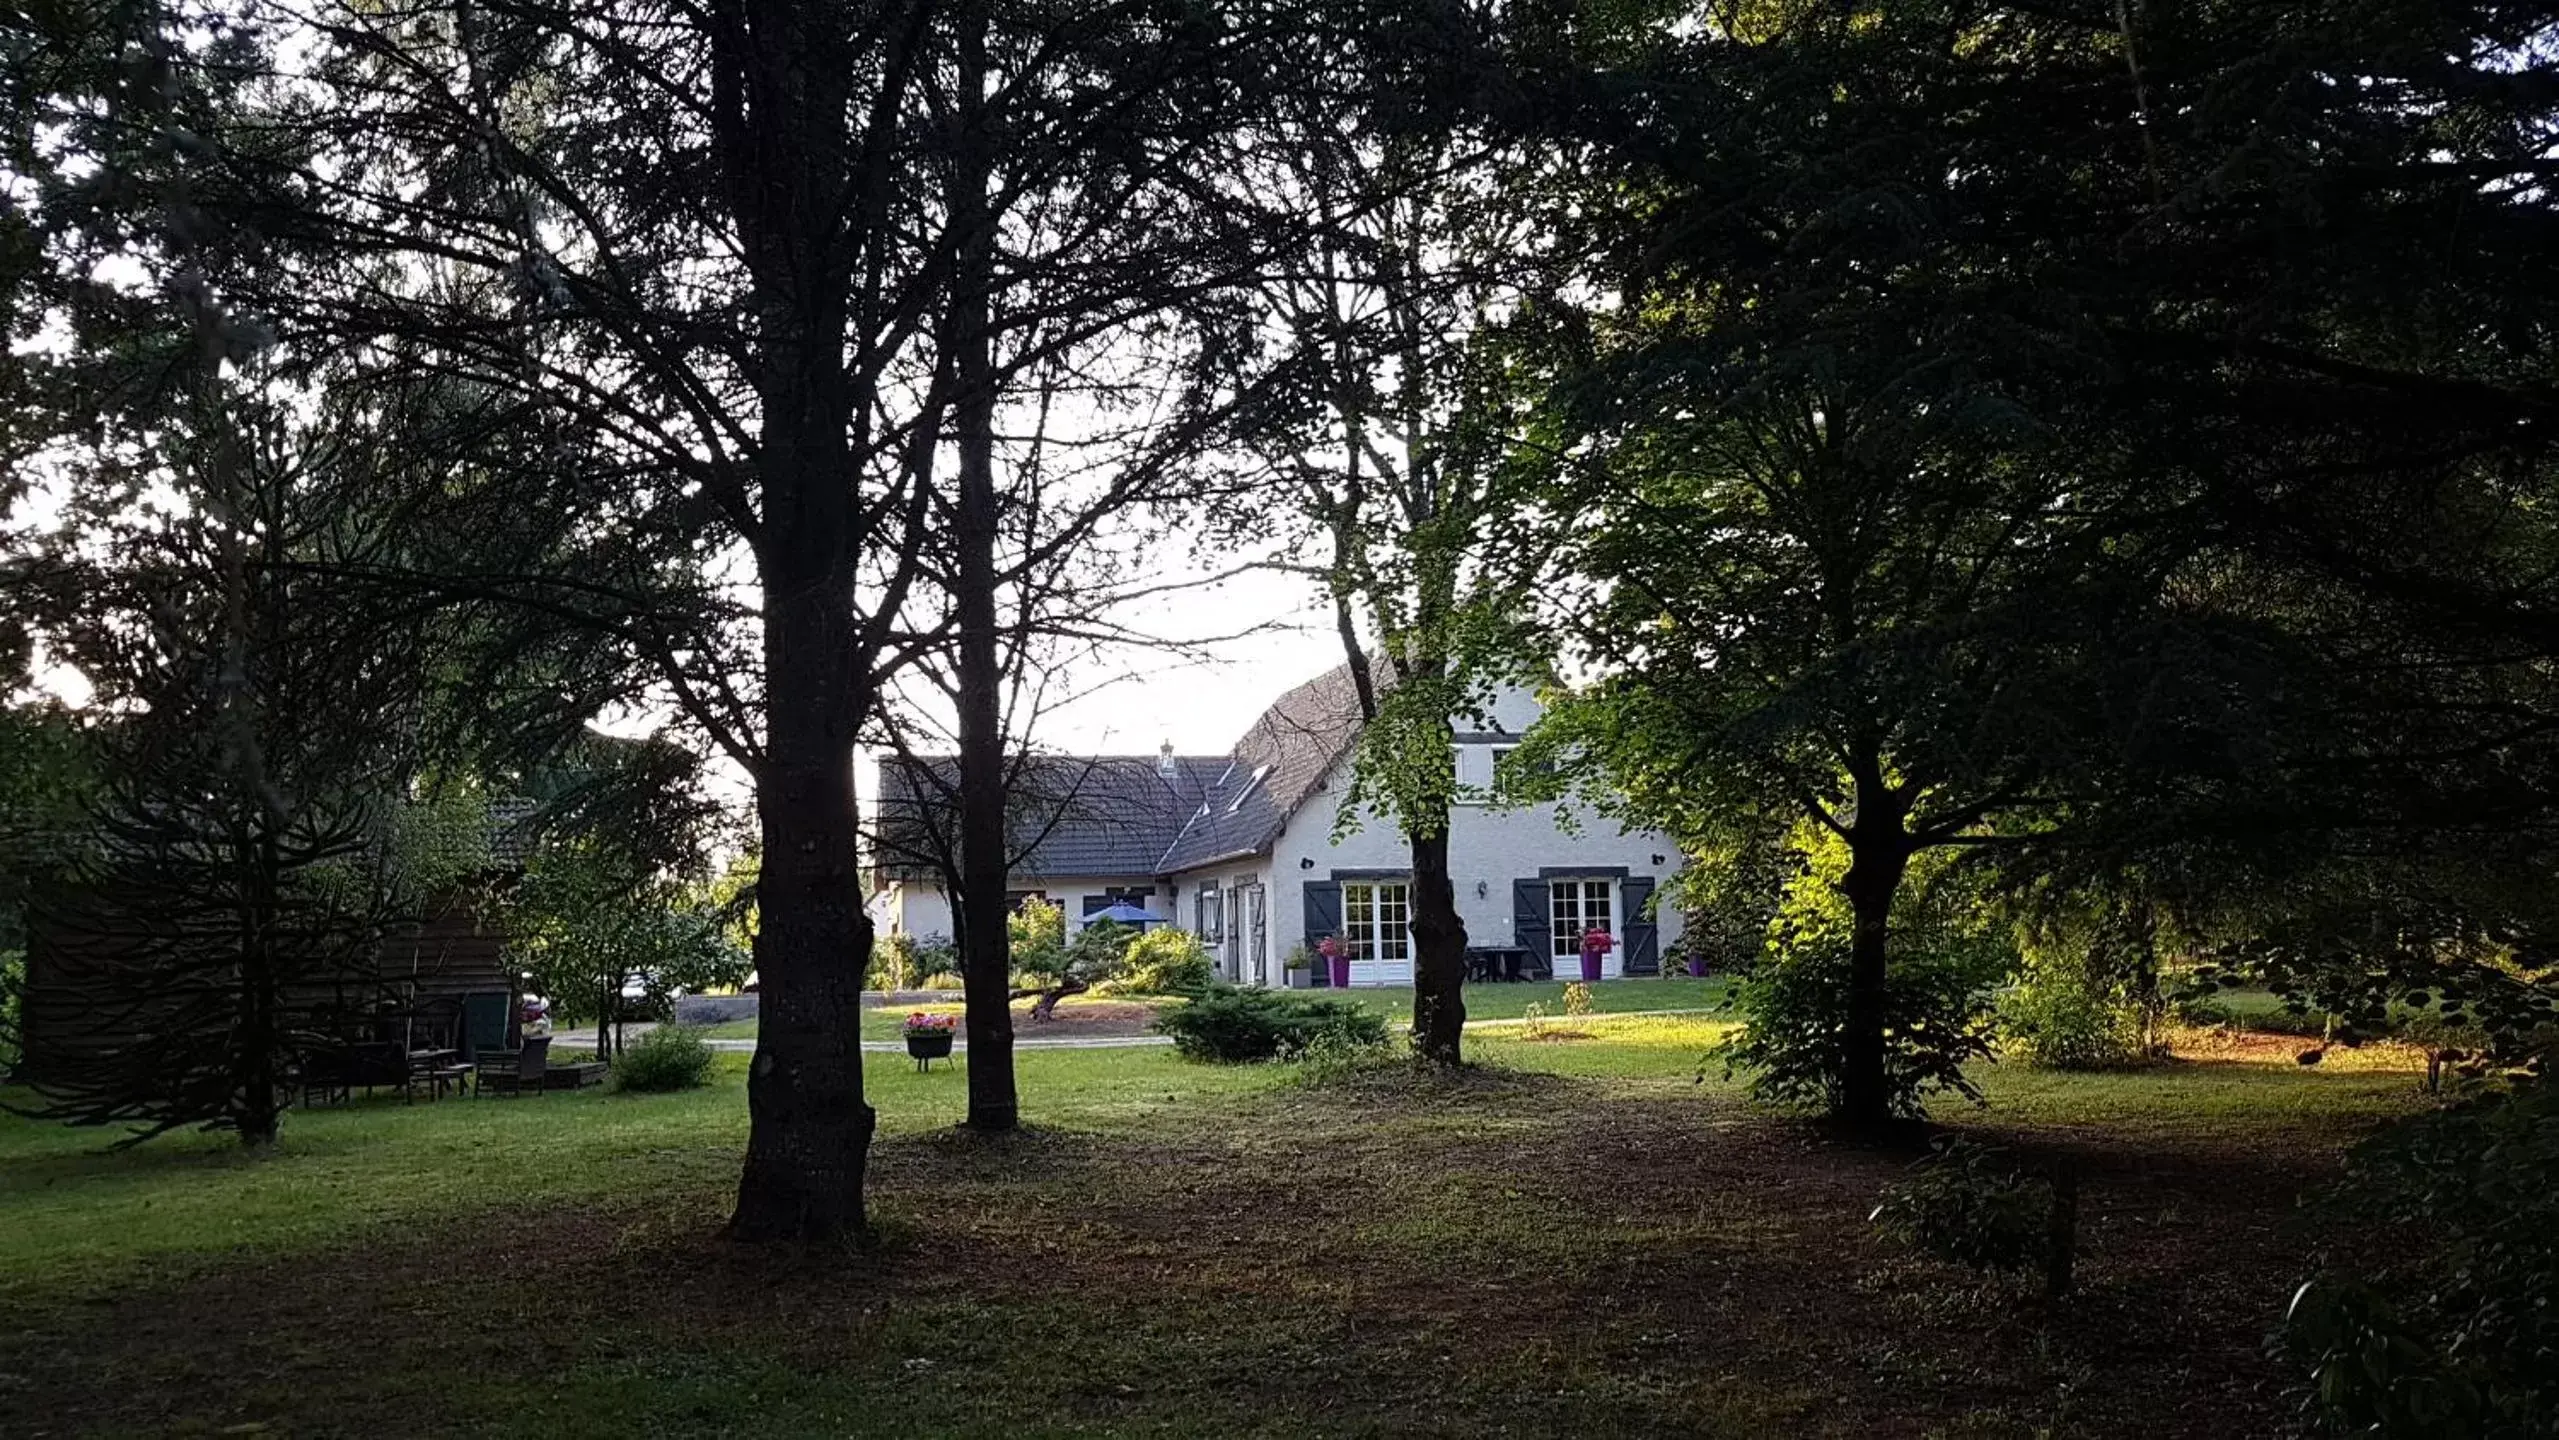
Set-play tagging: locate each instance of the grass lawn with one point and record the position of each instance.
(1586, 1236)
(1483, 1002)
(881, 1022)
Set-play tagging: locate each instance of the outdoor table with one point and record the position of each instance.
(438, 1067)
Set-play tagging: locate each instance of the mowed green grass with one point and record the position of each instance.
(74, 1215)
(1595, 1235)
(1503, 1001)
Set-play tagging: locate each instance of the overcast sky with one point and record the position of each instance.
(1137, 700)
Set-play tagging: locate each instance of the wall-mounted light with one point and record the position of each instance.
(1482, 889)
(1306, 862)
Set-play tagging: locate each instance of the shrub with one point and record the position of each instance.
(1099, 952)
(1334, 1056)
(1035, 940)
(1229, 1025)
(892, 961)
(904, 962)
(1970, 1204)
(1577, 999)
(2063, 1018)
(670, 1057)
(1165, 962)
(1795, 1024)
(2452, 1333)
(13, 976)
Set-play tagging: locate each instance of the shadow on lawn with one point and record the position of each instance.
(1534, 1254)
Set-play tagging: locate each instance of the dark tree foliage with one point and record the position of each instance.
(240, 863)
(2067, 433)
(205, 949)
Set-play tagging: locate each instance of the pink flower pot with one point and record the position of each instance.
(1341, 968)
(1697, 966)
(1590, 967)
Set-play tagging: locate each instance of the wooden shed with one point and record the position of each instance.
(440, 978)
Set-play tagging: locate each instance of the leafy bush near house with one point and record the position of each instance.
(2452, 1333)
(1970, 1204)
(1228, 1025)
(903, 962)
(892, 960)
(1035, 941)
(670, 1057)
(1165, 962)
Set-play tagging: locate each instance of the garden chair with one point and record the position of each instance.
(511, 1074)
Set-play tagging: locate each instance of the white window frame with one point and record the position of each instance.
(1565, 941)
(1377, 920)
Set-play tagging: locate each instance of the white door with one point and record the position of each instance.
(1576, 906)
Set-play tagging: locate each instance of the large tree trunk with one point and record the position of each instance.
(781, 124)
(810, 1129)
(985, 953)
(1439, 954)
(1879, 854)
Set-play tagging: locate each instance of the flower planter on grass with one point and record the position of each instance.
(928, 1037)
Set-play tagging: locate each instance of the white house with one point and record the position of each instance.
(1240, 849)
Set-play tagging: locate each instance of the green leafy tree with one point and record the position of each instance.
(589, 927)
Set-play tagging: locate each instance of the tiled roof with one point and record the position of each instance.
(1072, 815)
(1131, 814)
(1277, 764)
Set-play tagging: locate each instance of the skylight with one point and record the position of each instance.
(1251, 785)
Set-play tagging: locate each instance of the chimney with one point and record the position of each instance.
(1164, 765)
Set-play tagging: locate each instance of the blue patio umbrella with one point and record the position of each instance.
(1127, 914)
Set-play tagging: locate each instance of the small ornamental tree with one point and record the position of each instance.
(588, 929)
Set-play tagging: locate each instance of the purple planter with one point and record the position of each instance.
(1341, 968)
(1697, 966)
(1590, 967)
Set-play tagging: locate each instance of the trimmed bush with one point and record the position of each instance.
(1795, 1012)
(1227, 1025)
(1165, 962)
(670, 1057)
(1971, 1205)
(2062, 1018)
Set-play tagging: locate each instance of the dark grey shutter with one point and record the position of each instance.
(1532, 925)
(1323, 917)
(1643, 935)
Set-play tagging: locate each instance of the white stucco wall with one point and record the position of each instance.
(1487, 847)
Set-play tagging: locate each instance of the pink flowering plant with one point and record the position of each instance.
(926, 1022)
(1330, 947)
(1596, 941)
